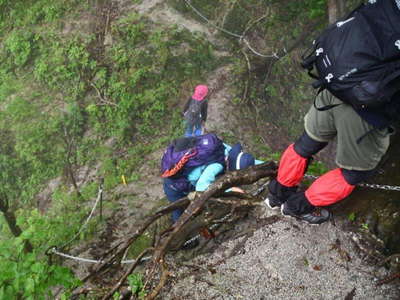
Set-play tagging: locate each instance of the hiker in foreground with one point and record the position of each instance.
(193, 163)
(195, 111)
(366, 101)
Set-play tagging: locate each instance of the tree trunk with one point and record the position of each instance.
(336, 10)
(11, 220)
(333, 12)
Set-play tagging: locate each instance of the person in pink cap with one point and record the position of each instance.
(195, 111)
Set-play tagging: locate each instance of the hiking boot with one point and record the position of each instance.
(318, 216)
(273, 202)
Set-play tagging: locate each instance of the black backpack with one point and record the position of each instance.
(193, 113)
(358, 58)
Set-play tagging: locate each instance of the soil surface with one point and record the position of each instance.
(280, 258)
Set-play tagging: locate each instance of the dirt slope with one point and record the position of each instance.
(269, 257)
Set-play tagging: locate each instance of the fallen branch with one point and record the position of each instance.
(388, 279)
(122, 246)
(231, 179)
(193, 208)
(125, 276)
(389, 258)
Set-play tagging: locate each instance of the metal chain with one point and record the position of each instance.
(368, 185)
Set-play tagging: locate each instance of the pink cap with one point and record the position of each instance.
(200, 92)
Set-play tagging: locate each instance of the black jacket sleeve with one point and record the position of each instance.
(204, 108)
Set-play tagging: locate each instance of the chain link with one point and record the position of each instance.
(368, 185)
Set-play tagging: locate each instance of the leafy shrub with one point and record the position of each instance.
(29, 275)
(19, 45)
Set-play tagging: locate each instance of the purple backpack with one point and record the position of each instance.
(184, 154)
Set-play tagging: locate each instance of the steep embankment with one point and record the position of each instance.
(268, 256)
(271, 258)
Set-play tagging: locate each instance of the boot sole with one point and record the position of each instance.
(300, 219)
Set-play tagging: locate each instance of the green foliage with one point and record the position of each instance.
(317, 168)
(19, 45)
(140, 85)
(351, 217)
(31, 148)
(142, 243)
(64, 64)
(309, 8)
(137, 286)
(25, 13)
(29, 275)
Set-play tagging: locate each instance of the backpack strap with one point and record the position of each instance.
(392, 82)
(326, 107)
(181, 163)
(358, 141)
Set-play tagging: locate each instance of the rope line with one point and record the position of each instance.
(258, 53)
(99, 194)
(240, 37)
(209, 22)
(93, 261)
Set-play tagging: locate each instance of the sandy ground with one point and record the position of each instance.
(283, 260)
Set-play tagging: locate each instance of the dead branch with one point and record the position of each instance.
(389, 258)
(235, 202)
(252, 23)
(83, 291)
(122, 246)
(235, 178)
(102, 100)
(130, 270)
(163, 279)
(388, 279)
(246, 87)
(193, 208)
